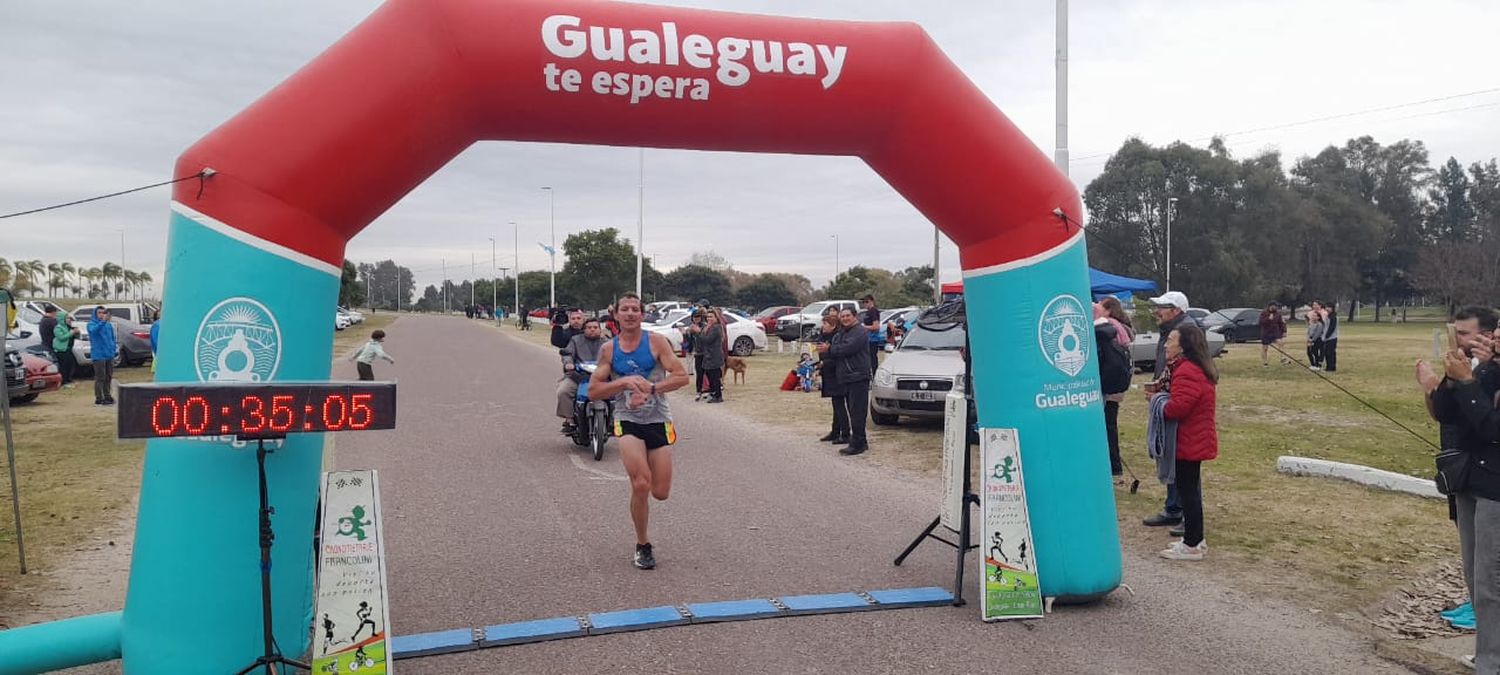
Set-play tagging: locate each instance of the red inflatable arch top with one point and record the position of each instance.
(326, 152)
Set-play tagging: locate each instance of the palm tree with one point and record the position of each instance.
(5, 271)
(131, 278)
(68, 270)
(110, 272)
(31, 271)
(53, 272)
(142, 278)
(93, 274)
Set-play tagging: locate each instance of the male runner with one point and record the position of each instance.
(637, 369)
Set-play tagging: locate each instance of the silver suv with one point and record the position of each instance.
(804, 324)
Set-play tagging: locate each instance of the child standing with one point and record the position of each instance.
(365, 357)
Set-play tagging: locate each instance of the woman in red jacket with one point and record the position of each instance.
(1192, 403)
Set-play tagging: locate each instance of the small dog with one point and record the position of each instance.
(737, 365)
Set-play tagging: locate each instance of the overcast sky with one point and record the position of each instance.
(97, 96)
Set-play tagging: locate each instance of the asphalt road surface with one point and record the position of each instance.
(493, 517)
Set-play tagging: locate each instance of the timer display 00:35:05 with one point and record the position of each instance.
(250, 411)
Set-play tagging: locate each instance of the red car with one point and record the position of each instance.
(768, 316)
(41, 376)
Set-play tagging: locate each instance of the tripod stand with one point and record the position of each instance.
(272, 654)
(956, 315)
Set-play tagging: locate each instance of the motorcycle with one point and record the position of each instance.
(591, 419)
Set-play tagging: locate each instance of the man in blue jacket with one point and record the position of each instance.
(102, 351)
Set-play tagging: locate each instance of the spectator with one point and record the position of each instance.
(64, 334)
(563, 332)
(523, 317)
(155, 337)
(364, 359)
(1462, 403)
(1331, 337)
(870, 317)
(832, 389)
(1189, 390)
(851, 348)
(1315, 328)
(47, 325)
(1272, 331)
(1170, 309)
(711, 338)
(102, 353)
(694, 332)
(1117, 312)
(1113, 339)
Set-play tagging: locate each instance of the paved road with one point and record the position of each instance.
(492, 517)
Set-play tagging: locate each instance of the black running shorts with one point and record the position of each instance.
(655, 435)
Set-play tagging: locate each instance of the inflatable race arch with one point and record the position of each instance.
(304, 169)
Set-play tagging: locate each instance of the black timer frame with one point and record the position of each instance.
(131, 393)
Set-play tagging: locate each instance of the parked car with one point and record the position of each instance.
(1198, 313)
(804, 324)
(745, 335)
(134, 312)
(354, 316)
(915, 378)
(41, 376)
(1238, 324)
(1143, 348)
(768, 316)
(16, 387)
(132, 340)
(340, 321)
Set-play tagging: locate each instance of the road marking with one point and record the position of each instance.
(599, 474)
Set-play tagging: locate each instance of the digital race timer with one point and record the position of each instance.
(251, 410)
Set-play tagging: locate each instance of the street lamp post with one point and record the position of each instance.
(445, 285)
(552, 252)
(471, 278)
(1170, 202)
(517, 261)
(640, 224)
(495, 283)
(503, 271)
(835, 259)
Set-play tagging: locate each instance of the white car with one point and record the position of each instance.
(804, 324)
(340, 321)
(354, 317)
(745, 335)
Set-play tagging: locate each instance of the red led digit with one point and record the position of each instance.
(330, 422)
(164, 403)
(252, 414)
(201, 424)
(361, 405)
(282, 415)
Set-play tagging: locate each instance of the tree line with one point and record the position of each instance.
(109, 280)
(1358, 223)
(598, 265)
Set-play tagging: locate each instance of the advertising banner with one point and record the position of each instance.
(1011, 588)
(351, 627)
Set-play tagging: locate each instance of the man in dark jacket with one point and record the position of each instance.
(1463, 402)
(851, 347)
(562, 333)
(1170, 309)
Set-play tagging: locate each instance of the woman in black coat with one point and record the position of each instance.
(828, 368)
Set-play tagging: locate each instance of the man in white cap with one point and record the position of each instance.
(1170, 309)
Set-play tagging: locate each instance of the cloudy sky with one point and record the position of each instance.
(102, 95)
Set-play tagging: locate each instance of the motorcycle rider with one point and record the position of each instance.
(581, 348)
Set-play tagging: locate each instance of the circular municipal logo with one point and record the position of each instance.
(238, 341)
(1063, 332)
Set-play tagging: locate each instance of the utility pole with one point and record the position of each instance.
(552, 252)
(937, 277)
(495, 284)
(445, 285)
(471, 278)
(1170, 202)
(1061, 156)
(640, 224)
(517, 251)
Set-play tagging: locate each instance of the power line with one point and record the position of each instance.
(201, 175)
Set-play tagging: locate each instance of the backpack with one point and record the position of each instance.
(1115, 368)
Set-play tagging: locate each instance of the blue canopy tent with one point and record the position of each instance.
(1104, 283)
(1100, 284)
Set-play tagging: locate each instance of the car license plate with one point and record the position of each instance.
(924, 396)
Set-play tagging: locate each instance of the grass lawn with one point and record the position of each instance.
(75, 477)
(1326, 544)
